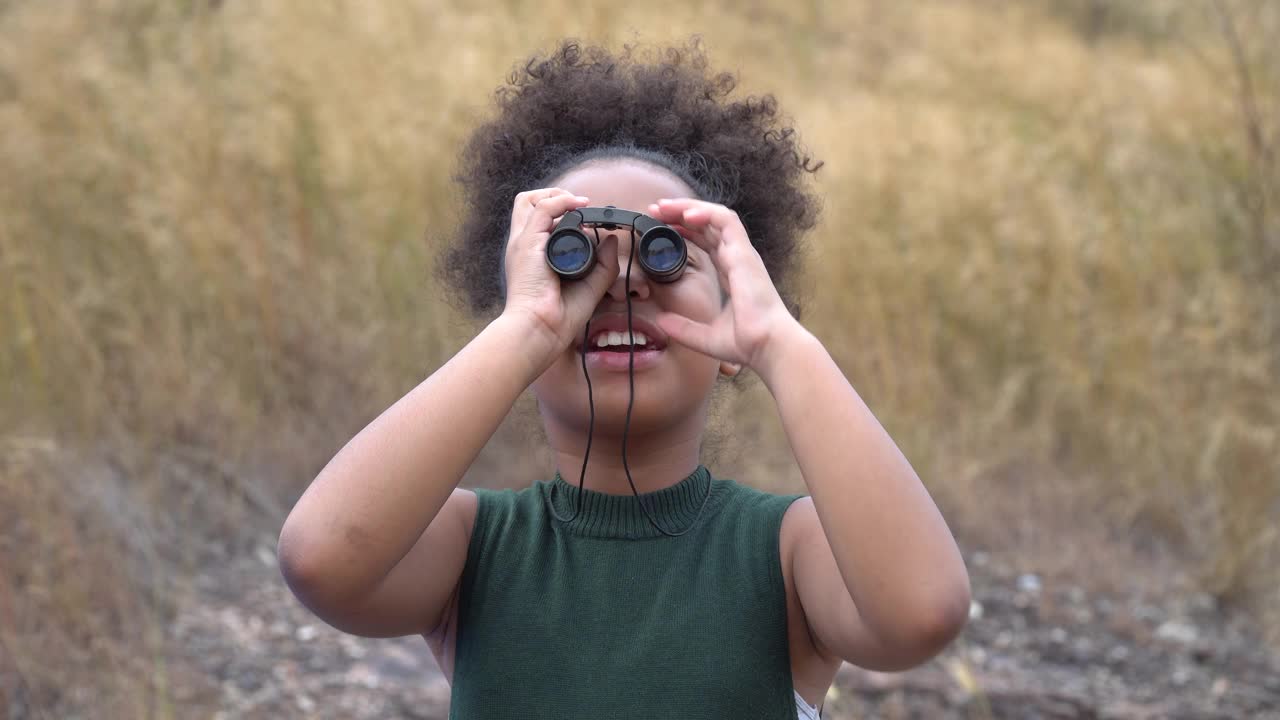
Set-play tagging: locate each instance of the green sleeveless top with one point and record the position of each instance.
(606, 617)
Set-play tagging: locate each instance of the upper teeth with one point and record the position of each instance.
(606, 339)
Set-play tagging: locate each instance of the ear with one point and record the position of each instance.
(729, 369)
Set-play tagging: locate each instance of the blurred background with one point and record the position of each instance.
(1049, 260)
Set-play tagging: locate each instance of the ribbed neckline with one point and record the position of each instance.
(620, 516)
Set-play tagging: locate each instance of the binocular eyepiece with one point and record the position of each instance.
(571, 254)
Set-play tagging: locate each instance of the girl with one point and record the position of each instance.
(650, 588)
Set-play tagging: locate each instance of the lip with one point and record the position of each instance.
(617, 322)
(620, 362)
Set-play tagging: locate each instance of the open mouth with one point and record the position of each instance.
(610, 341)
(610, 336)
(613, 350)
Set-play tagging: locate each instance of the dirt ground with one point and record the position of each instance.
(245, 648)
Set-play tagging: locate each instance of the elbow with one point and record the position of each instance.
(303, 567)
(325, 574)
(941, 622)
(296, 565)
(933, 626)
(946, 621)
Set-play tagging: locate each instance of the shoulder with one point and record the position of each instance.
(505, 499)
(747, 497)
(798, 524)
(462, 504)
(740, 535)
(761, 513)
(498, 511)
(501, 497)
(752, 505)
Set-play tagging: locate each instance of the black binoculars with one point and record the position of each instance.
(571, 254)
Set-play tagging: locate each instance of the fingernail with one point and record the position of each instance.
(581, 198)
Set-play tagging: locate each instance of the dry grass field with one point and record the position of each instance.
(1049, 259)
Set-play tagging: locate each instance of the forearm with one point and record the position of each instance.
(374, 499)
(895, 553)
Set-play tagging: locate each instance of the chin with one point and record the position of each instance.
(647, 415)
(611, 414)
(662, 399)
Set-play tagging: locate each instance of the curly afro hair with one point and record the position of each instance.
(579, 104)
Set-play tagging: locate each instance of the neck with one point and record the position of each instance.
(656, 460)
(661, 450)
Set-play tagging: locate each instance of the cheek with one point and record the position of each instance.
(550, 385)
(700, 298)
(697, 372)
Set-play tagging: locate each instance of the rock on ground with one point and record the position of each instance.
(243, 647)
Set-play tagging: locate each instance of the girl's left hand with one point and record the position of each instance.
(752, 323)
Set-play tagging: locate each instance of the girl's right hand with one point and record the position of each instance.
(559, 309)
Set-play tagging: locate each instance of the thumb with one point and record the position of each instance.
(690, 333)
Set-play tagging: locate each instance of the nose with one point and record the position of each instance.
(639, 279)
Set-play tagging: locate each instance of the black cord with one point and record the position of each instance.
(631, 385)
(582, 478)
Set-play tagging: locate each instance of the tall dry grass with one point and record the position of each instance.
(1049, 260)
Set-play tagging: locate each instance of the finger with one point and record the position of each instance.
(706, 236)
(700, 214)
(723, 237)
(684, 230)
(526, 201)
(710, 217)
(547, 210)
(710, 258)
(529, 198)
(707, 240)
(670, 209)
(689, 333)
(703, 242)
(688, 211)
(698, 220)
(687, 233)
(696, 234)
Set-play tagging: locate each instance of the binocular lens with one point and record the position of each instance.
(570, 253)
(661, 255)
(662, 252)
